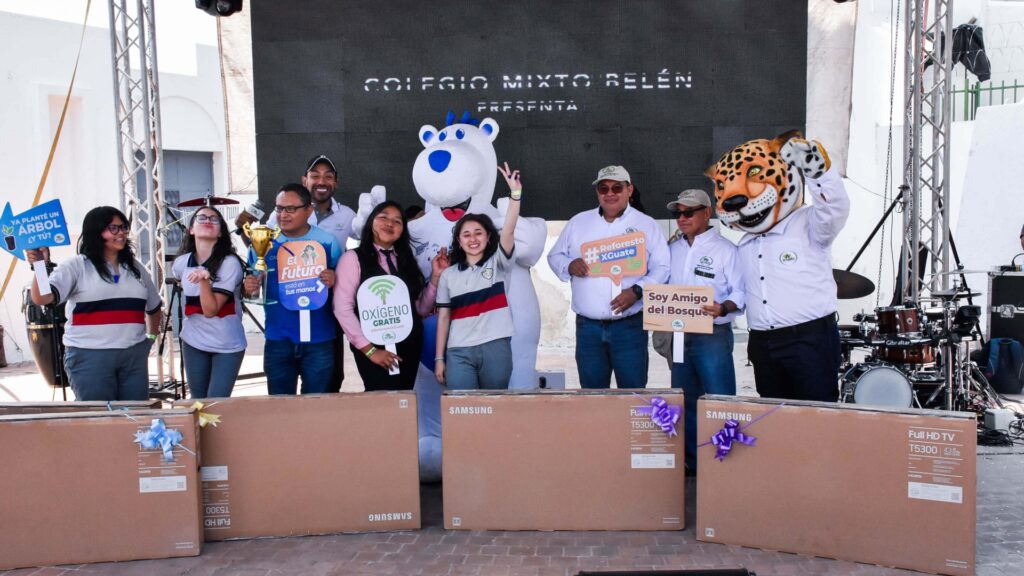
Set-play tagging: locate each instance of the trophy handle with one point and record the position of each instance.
(275, 233)
(245, 228)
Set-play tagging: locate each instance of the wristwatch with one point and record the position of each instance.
(638, 291)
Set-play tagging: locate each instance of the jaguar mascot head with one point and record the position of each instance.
(761, 182)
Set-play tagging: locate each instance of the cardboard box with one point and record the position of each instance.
(310, 464)
(62, 407)
(889, 487)
(581, 460)
(77, 489)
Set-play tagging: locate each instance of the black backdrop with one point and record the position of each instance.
(662, 87)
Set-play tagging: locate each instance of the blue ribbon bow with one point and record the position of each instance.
(158, 436)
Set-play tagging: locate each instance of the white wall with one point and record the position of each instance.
(39, 42)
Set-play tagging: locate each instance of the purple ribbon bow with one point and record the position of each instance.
(663, 414)
(727, 435)
(158, 436)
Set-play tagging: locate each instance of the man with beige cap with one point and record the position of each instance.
(702, 257)
(609, 324)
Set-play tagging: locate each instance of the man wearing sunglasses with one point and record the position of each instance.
(609, 326)
(287, 355)
(702, 257)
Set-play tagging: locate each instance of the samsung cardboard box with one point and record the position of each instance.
(310, 464)
(77, 488)
(581, 460)
(889, 487)
(58, 407)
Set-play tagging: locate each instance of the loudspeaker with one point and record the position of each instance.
(1006, 305)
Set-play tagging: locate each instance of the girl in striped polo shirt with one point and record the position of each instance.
(474, 324)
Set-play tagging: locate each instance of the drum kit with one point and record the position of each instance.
(913, 355)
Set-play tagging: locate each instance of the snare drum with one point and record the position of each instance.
(878, 385)
(896, 320)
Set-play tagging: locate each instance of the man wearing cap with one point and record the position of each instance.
(321, 179)
(609, 326)
(702, 257)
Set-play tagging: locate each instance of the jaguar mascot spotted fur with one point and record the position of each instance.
(760, 182)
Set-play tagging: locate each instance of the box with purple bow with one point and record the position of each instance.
(854, 482)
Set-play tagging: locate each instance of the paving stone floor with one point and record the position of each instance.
(433, 550)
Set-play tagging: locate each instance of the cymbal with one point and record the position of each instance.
(954, 294)
(948, 272)
(206, 201)
(851, 285)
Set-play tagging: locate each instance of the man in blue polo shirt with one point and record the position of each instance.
(293, 350)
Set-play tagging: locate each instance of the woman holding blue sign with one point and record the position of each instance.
(474, 323)
(113, 310)
(212, 336)
(376, 285)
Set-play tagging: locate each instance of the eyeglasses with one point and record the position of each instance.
(616, 188)
(115, 228)
(687, 213)
(289, 209)
(204, 219)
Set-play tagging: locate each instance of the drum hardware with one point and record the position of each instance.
(172, 388)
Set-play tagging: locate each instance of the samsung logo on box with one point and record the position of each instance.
(737, 416)
(390, 516)
(454, 410)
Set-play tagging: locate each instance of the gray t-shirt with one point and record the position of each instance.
(104, 315)
(223, 332)
(478, 302)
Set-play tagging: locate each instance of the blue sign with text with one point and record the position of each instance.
(43, 225)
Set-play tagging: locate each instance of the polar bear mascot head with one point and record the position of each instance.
(455, 171)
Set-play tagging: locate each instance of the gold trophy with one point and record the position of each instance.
(261, 239)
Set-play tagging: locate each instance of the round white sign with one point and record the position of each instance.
(385, 311)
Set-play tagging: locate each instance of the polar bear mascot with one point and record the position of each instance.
(455, 174)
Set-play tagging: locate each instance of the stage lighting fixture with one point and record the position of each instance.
(219, 7)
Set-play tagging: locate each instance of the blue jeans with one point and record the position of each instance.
(284, 361)
(707, 368)
(211, 374)
(606, 345)
(109, 374)
(486, 366)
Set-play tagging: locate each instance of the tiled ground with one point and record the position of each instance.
(433, 550)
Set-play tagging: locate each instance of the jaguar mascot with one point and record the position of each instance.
(761, 182)
(455, 174)
(785, 259)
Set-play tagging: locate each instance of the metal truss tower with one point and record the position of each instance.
(926, 139)
(139, 148)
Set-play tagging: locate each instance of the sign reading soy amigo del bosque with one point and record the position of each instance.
(385, 310)
(42, 225)
(674, 308)
(299, 264)
(616, 256)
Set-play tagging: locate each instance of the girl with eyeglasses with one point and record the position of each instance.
(212, 337)
(113, 311)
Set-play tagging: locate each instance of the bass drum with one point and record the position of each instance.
(878, 385)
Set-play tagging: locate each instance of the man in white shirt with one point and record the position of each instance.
(702, 257)
(785, 260)
(609, 325)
